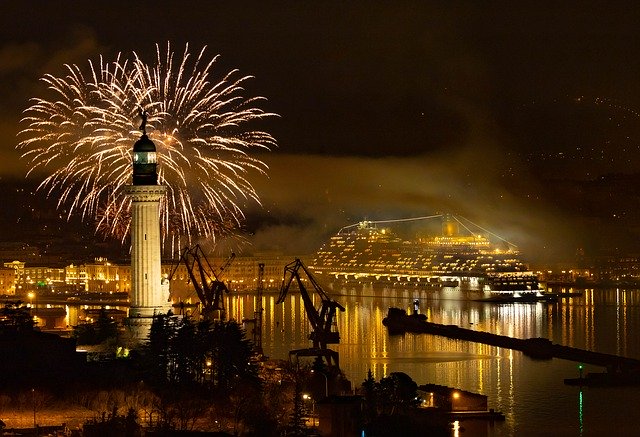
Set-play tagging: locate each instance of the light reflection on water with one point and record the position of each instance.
(530, 393)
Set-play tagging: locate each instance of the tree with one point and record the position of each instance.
(276, 398)
(297, 376)
(142, 400)
(189, 363)
(370, 389)
(187, 353)
(180, 407)
(107, 327)
(16, 317)
(157, 353)
(398, 391)
(250, 412)
(389, 408)
(319, 365)
(184, 352)
(296, 424)
(35, 400)
(231, 355)
(114, 425)
(100, 331)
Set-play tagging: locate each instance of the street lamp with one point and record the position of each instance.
(454, 396)
(326, 383)
(33, 400)
(307, 397)
(312, 419)
(32, 296)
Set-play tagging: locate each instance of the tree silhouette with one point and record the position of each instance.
(389, 408)
(297, 375)
(371, 397)
(114, 425)
(186, 353)
(231, 355)
(296, 424)
(157, 353)
(103, 329)
(398, 392)
(16, 317)
(213, 354)
(191, 365)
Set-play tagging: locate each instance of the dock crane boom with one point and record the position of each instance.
(206, 282)
(322, 320)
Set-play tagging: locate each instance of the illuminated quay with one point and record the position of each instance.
(367, 252)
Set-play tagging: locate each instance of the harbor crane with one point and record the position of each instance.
(206, 282)
(256, 329)
(322, 320)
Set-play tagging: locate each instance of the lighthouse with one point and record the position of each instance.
(148, 296)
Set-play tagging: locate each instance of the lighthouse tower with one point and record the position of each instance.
(148, 296)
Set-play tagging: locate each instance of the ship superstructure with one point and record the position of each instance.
(370, 252)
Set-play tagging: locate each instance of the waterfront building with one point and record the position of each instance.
(101, 276)
(617, 268)
(76, 275)
(8, 280)
(18, 271)
(241, 275)
(124, 278)
(98, 276)
(40, 277)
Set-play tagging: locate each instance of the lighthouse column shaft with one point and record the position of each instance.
(146, 274)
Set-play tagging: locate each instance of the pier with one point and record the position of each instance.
(398, 322)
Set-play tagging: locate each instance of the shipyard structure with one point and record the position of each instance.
(369, 252)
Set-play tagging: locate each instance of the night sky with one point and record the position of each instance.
(521, 116)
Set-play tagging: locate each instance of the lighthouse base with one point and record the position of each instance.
(138, 325)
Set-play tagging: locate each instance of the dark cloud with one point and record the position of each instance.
(21, 66)
(312, 197)
(78, 45)
(18, 57)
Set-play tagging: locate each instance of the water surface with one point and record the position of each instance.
(530, 393)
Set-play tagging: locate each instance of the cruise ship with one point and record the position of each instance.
(369, 251)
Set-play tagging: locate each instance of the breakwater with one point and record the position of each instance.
(398, 322)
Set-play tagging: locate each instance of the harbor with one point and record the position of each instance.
(529, 392)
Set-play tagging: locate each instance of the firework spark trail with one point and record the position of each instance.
(82, 141)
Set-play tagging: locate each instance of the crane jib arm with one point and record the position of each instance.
(321, 321)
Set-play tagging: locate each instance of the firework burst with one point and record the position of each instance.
(81, 140)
